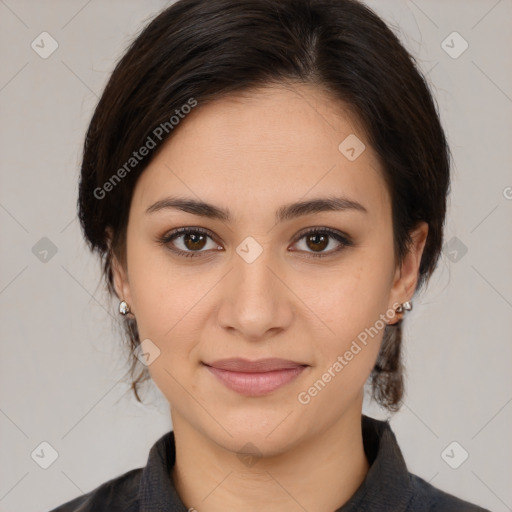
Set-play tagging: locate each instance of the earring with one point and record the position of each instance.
(407, 305)
(124, 309)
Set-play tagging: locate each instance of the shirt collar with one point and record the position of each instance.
(387, 483)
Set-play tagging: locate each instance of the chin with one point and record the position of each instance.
(269, 432)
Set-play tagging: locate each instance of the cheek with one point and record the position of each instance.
(346, 355)
(352, 296)
(164, 296)
(353, 302)
(169, 311)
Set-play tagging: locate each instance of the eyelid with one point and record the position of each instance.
(190, 229)
(322, 229)
(343, 239)
(175, 233)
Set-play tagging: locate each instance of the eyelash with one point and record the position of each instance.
(167, 238)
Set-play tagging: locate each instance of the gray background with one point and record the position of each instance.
(62, 364)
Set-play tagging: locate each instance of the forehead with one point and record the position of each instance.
(266, 146)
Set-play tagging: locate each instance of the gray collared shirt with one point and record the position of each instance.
(387, 487)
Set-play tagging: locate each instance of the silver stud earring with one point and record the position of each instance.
(407, 305)
(124, 309)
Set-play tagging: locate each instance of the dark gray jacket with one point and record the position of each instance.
(388, 486)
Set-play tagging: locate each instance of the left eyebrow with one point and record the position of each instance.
(286, 212)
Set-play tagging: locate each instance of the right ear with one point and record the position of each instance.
(119, 273)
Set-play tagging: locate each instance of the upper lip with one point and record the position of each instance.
(238, 364)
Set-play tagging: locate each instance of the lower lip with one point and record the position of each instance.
(256, 384)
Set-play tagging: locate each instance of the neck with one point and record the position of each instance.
(321, 473)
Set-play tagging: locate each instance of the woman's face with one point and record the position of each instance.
(257, 285)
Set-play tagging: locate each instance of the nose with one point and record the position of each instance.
(256, 303)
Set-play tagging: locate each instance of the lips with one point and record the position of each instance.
(260, 365)
(255, 378)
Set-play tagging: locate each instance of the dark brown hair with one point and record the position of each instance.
(203, 50)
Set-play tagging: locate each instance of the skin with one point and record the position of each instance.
(253, 153)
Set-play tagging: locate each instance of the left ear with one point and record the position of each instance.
(406, 275)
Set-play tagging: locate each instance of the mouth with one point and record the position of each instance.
(255, 378)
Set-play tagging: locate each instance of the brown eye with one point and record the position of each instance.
(318, 239)
(194, 241)
(189, 242)
(317, 242)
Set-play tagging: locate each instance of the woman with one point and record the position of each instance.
(266, 185)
